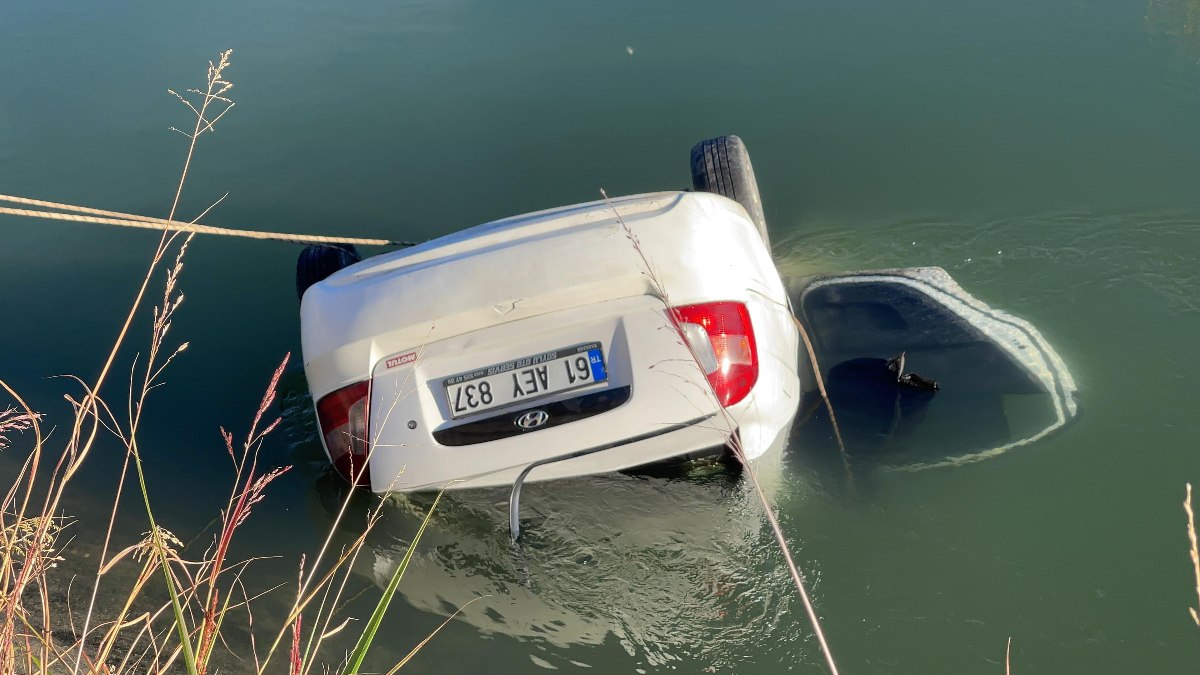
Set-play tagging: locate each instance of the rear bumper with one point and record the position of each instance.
(669, 442)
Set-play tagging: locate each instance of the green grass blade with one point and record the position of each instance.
(368, 634)
(185, 640)
(189, 653)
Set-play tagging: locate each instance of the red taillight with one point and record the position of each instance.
(344, 416)
(729, 355)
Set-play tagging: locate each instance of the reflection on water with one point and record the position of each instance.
(674, 565)
(670, 568)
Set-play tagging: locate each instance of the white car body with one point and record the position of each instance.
(411, 321)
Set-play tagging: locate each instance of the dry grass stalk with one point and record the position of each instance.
(1194, 551)
(731, 438)
(141, 634)
(14, 421)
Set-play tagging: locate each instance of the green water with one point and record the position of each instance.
(1046, 153)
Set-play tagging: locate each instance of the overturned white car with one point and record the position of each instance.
(625, 332)
(578, 340)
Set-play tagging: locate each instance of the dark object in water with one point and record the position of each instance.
(896, 366)
(318, 261)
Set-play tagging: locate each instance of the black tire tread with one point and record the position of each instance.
(318, 261)
(722, 166)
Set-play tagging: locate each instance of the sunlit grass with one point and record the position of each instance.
(174, 607)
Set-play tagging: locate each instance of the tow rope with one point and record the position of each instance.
(84, 214)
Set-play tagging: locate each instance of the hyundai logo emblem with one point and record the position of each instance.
(532, 419)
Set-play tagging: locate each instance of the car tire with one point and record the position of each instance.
(318, 261)
(722, 166)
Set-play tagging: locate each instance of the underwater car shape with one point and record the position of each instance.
(579, 340)
(997, 383)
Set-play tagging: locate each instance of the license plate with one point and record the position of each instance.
(526, 379)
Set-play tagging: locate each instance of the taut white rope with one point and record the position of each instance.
(83, 214)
